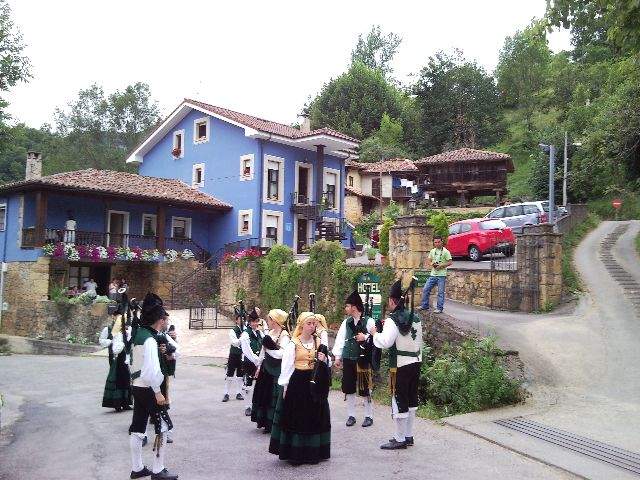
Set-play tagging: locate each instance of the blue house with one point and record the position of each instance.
(210, 180)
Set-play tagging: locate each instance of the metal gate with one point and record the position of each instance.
(204, 318)
(515, 276)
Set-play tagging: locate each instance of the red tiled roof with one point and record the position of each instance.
(393, 165)
(127, 185)
(267, 125)
(463, 155)
(356, 165)
(354, 191)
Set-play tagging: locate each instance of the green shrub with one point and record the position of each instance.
(102, 299)
(363, 230)
(392, 212)
(630, 209)
(440, 224)
(466, 378)
(279, 277)
(58, 294)
(383, 242)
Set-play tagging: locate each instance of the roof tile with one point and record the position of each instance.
(463, 155)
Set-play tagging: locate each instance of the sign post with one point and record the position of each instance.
(373, 281)
(616, 203)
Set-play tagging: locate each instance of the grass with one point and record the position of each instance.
(570, 278)
(638, 244)
(518, 182)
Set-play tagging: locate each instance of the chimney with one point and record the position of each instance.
(34, 165)
(306, 125)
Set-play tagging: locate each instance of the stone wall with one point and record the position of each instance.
(353, 209)
(410, 241)
(53, 321)
(483, 288)
(236, 282)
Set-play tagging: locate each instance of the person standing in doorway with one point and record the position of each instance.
(70, 228)
(439, 259)
(113, 289)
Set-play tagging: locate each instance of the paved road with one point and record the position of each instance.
(62, 433)
(582, 365)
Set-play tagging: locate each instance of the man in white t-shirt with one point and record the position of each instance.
(90, 287)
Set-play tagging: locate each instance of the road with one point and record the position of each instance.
(582, 365)
(59, 431)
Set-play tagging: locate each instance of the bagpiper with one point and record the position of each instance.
(402, 335)
(350, 353)
(251, 344)
(234, 371)
(265, 392)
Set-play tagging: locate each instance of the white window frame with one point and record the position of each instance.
(174, 143)
(241, 214)
(309, 167)
(193, 175)
(4, 215)
(187, 223)
(274, 213)
(243, 158)
(327, 171)
(265, 180)
(155, 222)
(196, 140)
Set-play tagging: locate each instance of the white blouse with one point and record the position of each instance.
(103, 340)
(387, 337)
(283, 341)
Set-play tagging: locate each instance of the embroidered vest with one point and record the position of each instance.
(236, 350)
(305, 358)
(351, 348)
(137, 351)
(408, 348)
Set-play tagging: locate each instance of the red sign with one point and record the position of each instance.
(617, 203)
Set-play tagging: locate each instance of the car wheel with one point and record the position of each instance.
(474, 253)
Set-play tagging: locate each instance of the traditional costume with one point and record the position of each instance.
(251, 344)
(301, 431)
(168, 367)
(234, 364)
(402, 335)
(117, 389)
(265, 392)
(357, 374)
(147, 379)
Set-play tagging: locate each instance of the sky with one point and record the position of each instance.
(264, 58)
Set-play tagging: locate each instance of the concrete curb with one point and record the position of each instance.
(34, 346)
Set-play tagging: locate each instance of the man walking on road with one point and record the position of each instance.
(440, 259)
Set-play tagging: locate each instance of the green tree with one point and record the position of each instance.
(458, 103)
(384, 144)
(14, 65)
(376, 50)
(355, 101)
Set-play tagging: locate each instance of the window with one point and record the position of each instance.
(529, 209)
(272, 230)
(149, 224)
(3, 217)
(454, 229)
(201, 130)
(246, 167)
(331, 184)
(197, 176)
(492, 225)
(513, 211)
(273, 178)
(180, 227)
(350, 180)
(78, 276)
(178, 144)
(244, 222)
(465, 227)
(497, 213)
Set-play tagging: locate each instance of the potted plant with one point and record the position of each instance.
(176, 152)
(372, 253)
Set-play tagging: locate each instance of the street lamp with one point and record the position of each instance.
(566, 161)
(551, 151)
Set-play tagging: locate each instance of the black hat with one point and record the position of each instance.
(253, 315)
(356, 300)
(396, 290)
(152, 309)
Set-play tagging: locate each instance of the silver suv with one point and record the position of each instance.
(517, 215)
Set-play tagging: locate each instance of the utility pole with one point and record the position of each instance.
(564, 176)
(552, 168)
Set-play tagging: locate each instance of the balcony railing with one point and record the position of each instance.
(309, 208)
(263, 244)
(466, 176)
(401, 192)
(35, 237)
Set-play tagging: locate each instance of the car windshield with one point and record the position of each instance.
(492, 225)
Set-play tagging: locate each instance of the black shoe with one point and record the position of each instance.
(351, 421)
(118, 409)
(145, 472)
(239, 397)
(145, 440)
(169, 440)
(368, 421)
(164, 475)
(393, 444)
(409, 441)
(247, 411)
(225, 398)
(127, 407)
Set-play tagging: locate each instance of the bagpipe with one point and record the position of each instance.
(241, 312)
(321, 376)
(404, 328)
(292, 317)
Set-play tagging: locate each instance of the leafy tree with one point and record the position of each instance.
(377, 50)
(386, 143)
(355, 101)
(458, 103)
(14, 66)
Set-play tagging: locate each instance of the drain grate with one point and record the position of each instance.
(600, 451)
(627, 281)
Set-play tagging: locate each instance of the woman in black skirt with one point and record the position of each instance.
(265, 393)
(301, 431)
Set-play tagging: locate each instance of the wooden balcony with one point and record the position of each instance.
(401, 193)
(37, 237)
